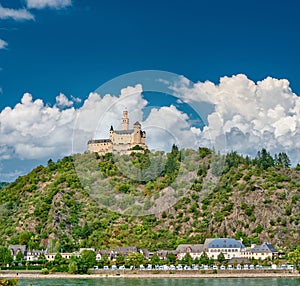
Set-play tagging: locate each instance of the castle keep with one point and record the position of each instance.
(122, 141)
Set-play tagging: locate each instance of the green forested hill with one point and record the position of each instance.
(255, 199)
(2, 184)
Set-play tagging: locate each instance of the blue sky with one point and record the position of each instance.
(48, 47)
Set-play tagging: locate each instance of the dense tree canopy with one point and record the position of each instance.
(5, 256)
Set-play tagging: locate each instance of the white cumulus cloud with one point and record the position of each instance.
(15, 14)
(3, 44)
(62, 101)
(33, 130)
(41, 4)
(248, 116)
(166, 126)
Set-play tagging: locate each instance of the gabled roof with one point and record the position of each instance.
(163, 253)
(35, 252)
(126, 249)
(16, 248)
(265, 247)
(225, 243)
(137, 123)
(129, 131)
(183, 248)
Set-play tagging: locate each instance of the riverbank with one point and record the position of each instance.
(160, 274)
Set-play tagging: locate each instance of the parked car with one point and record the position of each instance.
(149, 267)
(179, 267)
(105, 267)
(114, 267)
(122, 267)
(222, 267)
(251, 267)
(215, 267)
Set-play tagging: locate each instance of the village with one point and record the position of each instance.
(215, 253)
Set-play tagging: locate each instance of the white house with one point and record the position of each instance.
(195, 250)
(230, 247)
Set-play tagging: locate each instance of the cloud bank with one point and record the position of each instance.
(15, 14)
(246, 116)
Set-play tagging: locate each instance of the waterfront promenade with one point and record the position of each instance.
(157, 274)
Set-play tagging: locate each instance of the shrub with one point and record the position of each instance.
(45, 271)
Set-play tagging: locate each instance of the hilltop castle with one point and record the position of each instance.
(122, 141)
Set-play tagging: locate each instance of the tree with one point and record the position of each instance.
(58, 259)
(204, 259)
(155, 260)
(24, 237)
(294, 257)
(187, 259)
(283, 160)
(57, 246)
(42, 257)
(264, 160)
(171, 258)
(88, 257)
(120, 260)
(19, 256)
(135, 259)
(221, 258)
(105, 259)
(5, 256)
(73, 266)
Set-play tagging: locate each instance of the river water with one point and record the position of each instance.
(162, 282)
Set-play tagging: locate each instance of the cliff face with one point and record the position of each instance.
(50, 208)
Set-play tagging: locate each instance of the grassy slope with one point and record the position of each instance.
(50, 204)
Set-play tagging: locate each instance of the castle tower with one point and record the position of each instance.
(137, 133)
(111, 133)
(125, 120)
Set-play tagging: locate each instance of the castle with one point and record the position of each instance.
(123, 141)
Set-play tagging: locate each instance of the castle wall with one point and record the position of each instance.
(100, 147)
(121, 138)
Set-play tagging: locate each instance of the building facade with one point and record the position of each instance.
(194, 250)
(230, 247)
(123, 141)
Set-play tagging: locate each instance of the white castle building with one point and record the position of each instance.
(123, 141)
